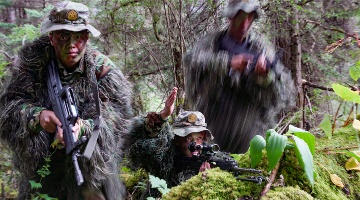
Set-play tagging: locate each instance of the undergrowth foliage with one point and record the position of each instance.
(302, 141)
(42, 172)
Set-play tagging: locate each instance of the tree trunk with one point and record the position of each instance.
(296, 59)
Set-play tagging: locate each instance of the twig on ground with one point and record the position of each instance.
(271, 181)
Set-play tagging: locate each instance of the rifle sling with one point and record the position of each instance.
(90, 147)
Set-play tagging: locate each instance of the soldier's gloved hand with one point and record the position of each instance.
(49, 121)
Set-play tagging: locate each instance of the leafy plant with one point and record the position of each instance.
(158, 183)
(351, 95)
(275, 144)
(43, 171)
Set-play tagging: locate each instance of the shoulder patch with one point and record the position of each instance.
(103, 65)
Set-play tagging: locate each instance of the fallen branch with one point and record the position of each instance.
(342, 148)
(271, 181)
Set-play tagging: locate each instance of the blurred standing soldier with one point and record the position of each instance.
(236, 80)
(29, 126)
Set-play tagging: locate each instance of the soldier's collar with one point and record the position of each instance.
(79, 69)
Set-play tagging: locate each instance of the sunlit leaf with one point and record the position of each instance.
(336, 180)
(346, 93)
(294, 129)
(309, 139)
(305, 158)
(356, 124)
(326, 126)
(355, 71)
(158, 183)
(257, 144)
(274, 148)
(352, 164)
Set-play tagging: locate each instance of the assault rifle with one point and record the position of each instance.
(223, 160)
(64, 106)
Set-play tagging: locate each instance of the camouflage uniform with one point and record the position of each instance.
(236, 106)
(154, 148)
(25, 96)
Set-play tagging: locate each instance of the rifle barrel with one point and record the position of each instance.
(238, 169)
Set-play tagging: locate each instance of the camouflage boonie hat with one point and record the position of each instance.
(69, 16)
(247, 6)
(190, 122)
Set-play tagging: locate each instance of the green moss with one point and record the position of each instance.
(328, 159)
(213, 184)
(216, 184)
(289, 193)
(136, 181)
(292, 172)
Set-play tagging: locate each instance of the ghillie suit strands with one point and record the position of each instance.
(152, 147)
(155, 147)
(26, 94)
(236, 106)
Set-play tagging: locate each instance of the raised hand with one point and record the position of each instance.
(169, 104)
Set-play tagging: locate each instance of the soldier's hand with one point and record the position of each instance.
(260, 68)
(169, 104)
(204, 166)
(49, 121)
(241, 61)
(59, 137)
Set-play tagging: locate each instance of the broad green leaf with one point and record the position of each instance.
(274, 148)
(35, 185)
(326, 126)
(269, 133)
(355, 71)
(294, 129)
(345, 93)
(305, 158)
(309, 139)
(158, 183)
(257, 144)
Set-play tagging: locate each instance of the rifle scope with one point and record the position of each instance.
(213, 148)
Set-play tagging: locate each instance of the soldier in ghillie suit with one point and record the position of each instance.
(236, 80)
(29, 126)
(157, 146)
